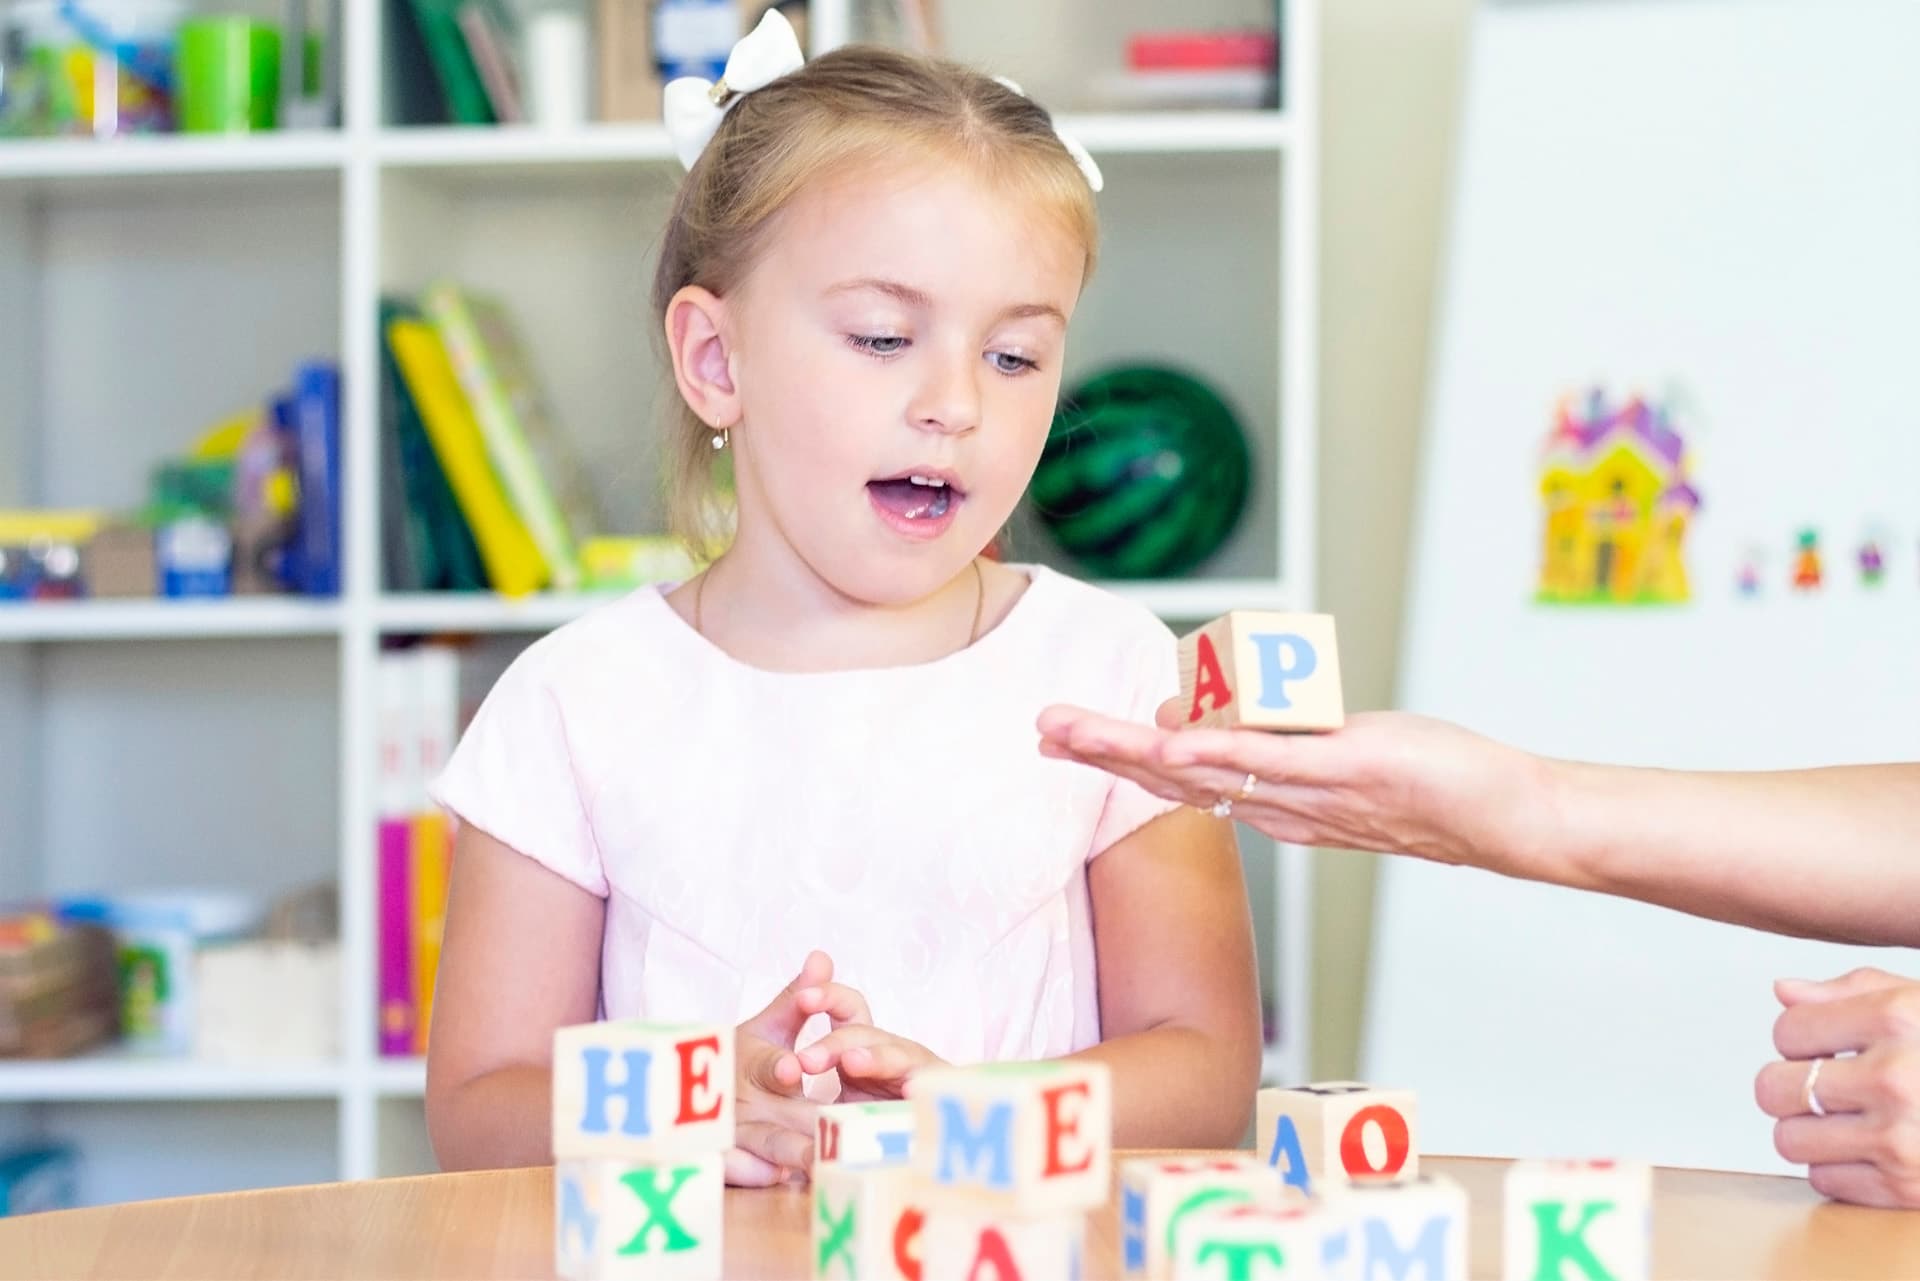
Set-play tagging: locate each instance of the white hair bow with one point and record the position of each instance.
(1081, 156)
(692, 108)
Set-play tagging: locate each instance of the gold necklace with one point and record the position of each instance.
(973, 633)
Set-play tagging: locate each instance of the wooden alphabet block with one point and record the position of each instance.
(1412, 1231)
(1015, 1138)
(864, 1134)
(959, 1244)
(1250, 1243)
(866, 1223)
(1157, 1194)
(618, 1219)
(1321, 1136)
(1578, 1220)
(1253, 669)
(642, 1090)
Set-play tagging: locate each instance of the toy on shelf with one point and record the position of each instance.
(59, 992)
(1144, 475)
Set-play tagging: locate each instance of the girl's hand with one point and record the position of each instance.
(1389, 781)
(773, 1120)
(1867, 1148)
(872, 1064)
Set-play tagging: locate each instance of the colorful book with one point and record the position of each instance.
(427, 912)
(514, 564)
(542, 475)
(445, 557)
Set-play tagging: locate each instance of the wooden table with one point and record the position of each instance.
(500, 1224)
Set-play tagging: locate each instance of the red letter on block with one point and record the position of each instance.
(994, 1253)
(906, 1234)
(1209, 682)
(1353, 1151)
(691, 1080)
(1060, 1127)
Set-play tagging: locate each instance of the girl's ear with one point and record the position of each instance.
(702, 367)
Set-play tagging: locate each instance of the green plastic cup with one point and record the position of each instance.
(227, 73)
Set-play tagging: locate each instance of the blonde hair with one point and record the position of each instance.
(859, 104)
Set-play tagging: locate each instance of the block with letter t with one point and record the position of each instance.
(637, 1090)
(1031, 1139)
(1324, 1136)
(1251, 669)
(1159, 1194)
(1578, 1219)
(1250, 1243)
(643, 1218)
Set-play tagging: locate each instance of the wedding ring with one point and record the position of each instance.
(1223, 808)
(1246, 788)
(1813, 1100)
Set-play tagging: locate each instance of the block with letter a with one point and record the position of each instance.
(1023, 1138)
(642, 1117)
(1252, 669)
(1578, 1220)
(1323, 1136)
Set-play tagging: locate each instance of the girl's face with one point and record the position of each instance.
(896, 351)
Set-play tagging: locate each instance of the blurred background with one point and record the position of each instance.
(327, 383)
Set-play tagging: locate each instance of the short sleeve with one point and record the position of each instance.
(1153, 678)
(513, 777)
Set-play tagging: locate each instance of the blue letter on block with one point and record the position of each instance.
(895, 1146)
(994, 1140)
(1430, 1252)
(635, 1123)
(576, 1217)
(1286, 1143)
(1133, 1229)
(1276, 670)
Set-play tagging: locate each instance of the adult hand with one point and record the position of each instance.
(1388, 781)
(1866, 1148)
(773, 1120)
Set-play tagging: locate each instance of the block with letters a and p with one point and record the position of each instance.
(1027, 1139)
(1252, 669)
(1578, 1218)
(1326, 1135)
(631, 1088)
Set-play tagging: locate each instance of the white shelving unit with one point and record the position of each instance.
(166, 281)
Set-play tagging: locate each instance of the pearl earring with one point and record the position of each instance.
(720, 439)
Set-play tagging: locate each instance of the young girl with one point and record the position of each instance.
(802, 791)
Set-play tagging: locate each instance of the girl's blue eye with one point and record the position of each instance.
(877, 346)
(1008, 363)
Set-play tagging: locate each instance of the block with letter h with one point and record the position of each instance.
(1008, 1159)
(1159, 1194)
(642, 1117)
(1323, 1136)
(1584, 1219)
(1252, 669)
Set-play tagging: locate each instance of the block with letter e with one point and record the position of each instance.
(1030, 1139)
(1578, 1219)
(633, 1089)
(1327, 1135)
(1251, 669)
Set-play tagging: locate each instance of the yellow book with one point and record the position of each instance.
(428, 902)
(513, 562)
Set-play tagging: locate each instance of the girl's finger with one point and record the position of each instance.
(1828, 1140)
(837, 1001)
(745, 1170)
(774, 1144)
(1844, 1085)
(828, 1050)
(878, 1062)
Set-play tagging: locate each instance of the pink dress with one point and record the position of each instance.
(900, 819)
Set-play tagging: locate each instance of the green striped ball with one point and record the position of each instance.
(1144, 474)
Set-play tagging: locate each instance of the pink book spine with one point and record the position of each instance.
(397, 1011)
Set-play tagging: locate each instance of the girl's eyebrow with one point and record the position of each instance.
(920, 299)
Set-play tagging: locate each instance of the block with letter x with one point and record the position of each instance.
(636, 1090)
(1251, 669)
(1030, 1139)
(1327, 1135)
(617, 1218)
